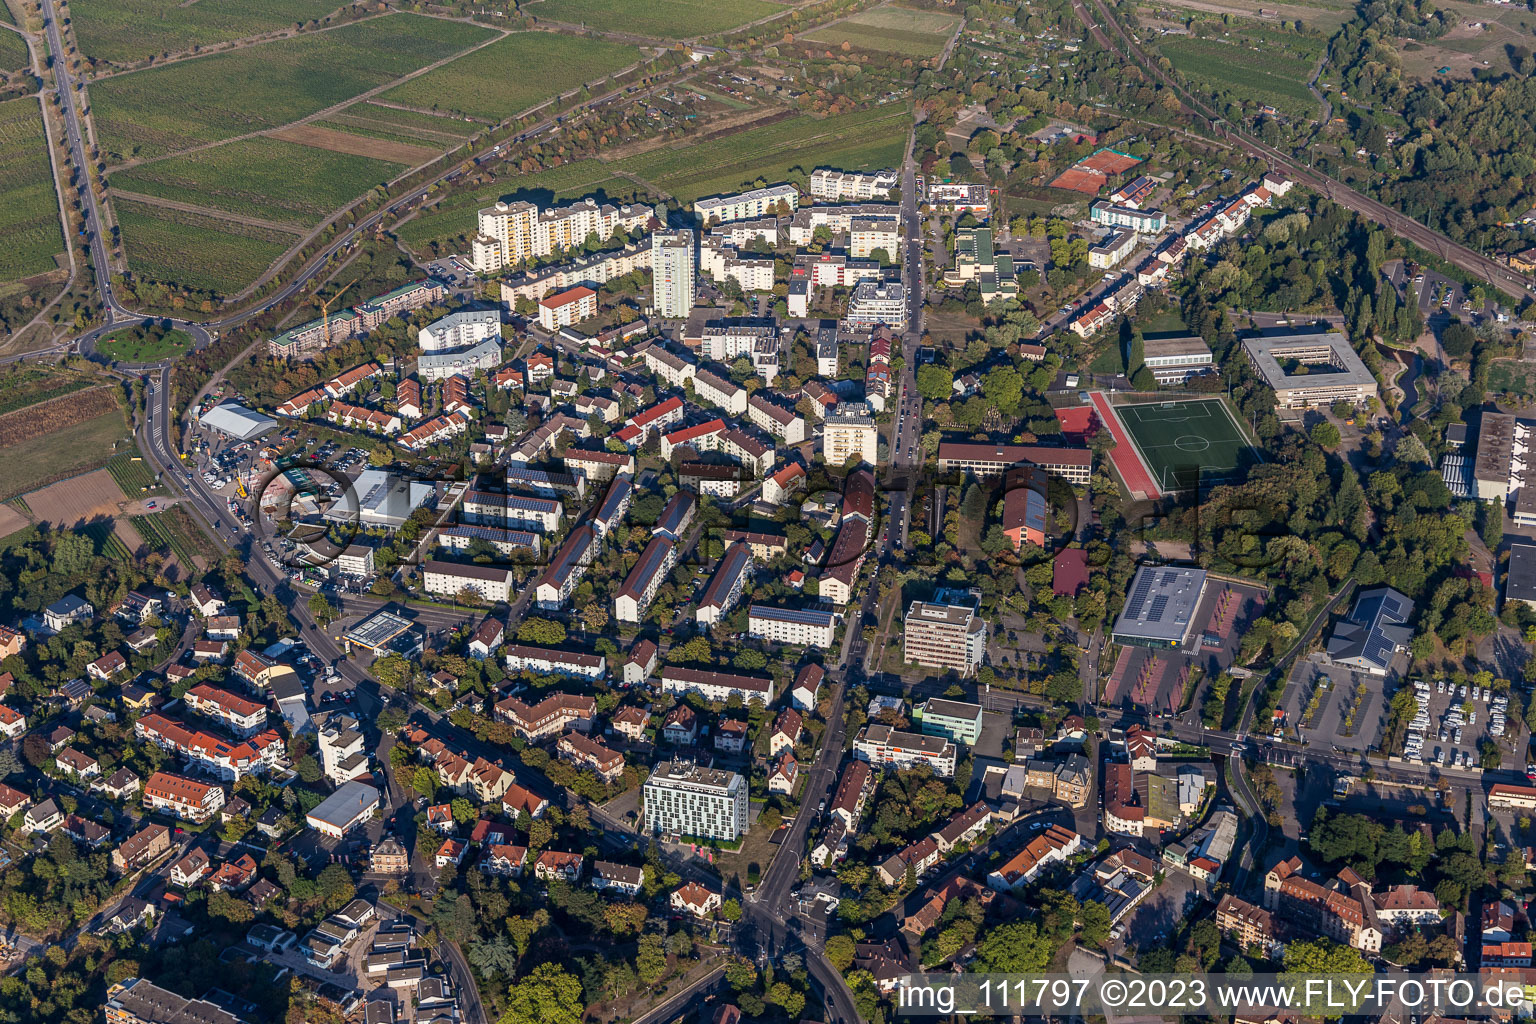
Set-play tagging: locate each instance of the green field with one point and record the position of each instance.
(107, 543)
(162, 110)
(37, 461)
(454, 217)
(265, 178)
(133, 475)
(785, 150)
(664, 19)
(375, 122)
(144, 345)
(13, 50)
(1249, 74)
(513, 74)
(174, 531)
(198, 252)
(1186, 444)
(123, 31)
(897, 30)
(28, 384)
(29, 216)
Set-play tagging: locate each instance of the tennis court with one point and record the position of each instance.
(1187, 444)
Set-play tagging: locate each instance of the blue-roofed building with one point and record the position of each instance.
(1375, 631)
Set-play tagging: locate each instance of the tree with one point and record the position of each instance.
(543, 631)
(731, 910)
(1325, 435)
(935, 383)
(493, 956)
(839, 950)
(392, 671)
(1014, 948)
(1458, 339)
(425, 782)
(548, 995)
(322, 609)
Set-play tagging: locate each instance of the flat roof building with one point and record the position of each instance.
(945, 633)
(352, 804)
(952, 719)
(682, 798)
(1520, 583)
(1160, 611)
(1175, 360)
(1311, 369)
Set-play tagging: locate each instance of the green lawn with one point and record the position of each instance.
(786, 150)
(897, 30)
(1249, 73)
(124, 31)
(144, 344)
(29, 215)
(513, 74)
(664, 19)
(265, 178)
(198, 252)
(162, 110)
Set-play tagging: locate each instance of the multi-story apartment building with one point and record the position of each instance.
(343, 753)
(726, 585)
(240, 716)
(866, 235)
(566, 568)
(776, 419)
(874, 303)
(672, 273)
(568, 307)
(490, 583)
(459, 330)
(549, 717)
(512, 511)
(683, 799)
(830, 186)
(807, 627)
(778, 200)
(721, 391)
(840, 568)
(885, 747)
(946, 633)
(598, 268)
(836, 219)
(194, 800)
(1144, 222)
(848, 431)
(588, 753)
(1075, 465)
(1342, 910)
(512, 232)
(1244, 923)
(137, 1001)
(728, 338)
(553, 661)
(1115, 247)
(644, 579)
(719, 686)
(721, 261)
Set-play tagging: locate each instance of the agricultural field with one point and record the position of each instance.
(786, 150)
(513, 74)
(1253, 71)
(454, 217)
(285, 184)
(372, 121)
(83, 497)
(59, 439)
(133, 474)
(664, 19)
(144, 344)
(898, 30)
(13, 50)
(197, 252)
(123, 31)
(25, 384)
(1326, 16)
(172, 530)
(29, 217)
(161, 110)
(104, 534)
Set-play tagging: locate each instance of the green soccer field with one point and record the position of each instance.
(1187, 443)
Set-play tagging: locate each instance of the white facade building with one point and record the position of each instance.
(683, 799)
(672, 270)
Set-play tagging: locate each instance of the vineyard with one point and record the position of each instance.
(56, 414)
(897, 30)
(174, 531)
(1246, 74)
(198, 252)
(103, 535)
(23, 385)
(133, 475)
(783, 151)
(513, 74)
(13, 51)
(161, 110)
(279, 182)
(409, 125)
(123, 31)
(665, 19)
(455, 216)
(29, 217)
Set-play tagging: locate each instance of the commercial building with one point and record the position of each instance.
(1330, 370)
(510, 233)
(885, 747)
(952, 719)
(976, 260)
(830, 186)
(946, 633)
(1075, 465)
(1375, 631)
(449, 579)
(351, 805)
(236, 421)
(849, 431)
(776, 200)
(807, 627)
(874, 303)
(681, 798)
(1175, 360)
(567, 308)
(1160, 609)
(672, 273)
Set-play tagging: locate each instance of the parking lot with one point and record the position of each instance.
(1325, 705)
(1458, 722)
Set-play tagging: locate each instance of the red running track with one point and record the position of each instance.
(1123, 455)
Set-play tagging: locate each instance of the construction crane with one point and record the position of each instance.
(325, 311)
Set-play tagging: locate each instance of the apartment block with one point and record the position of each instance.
(681, 798)
(946, 634)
